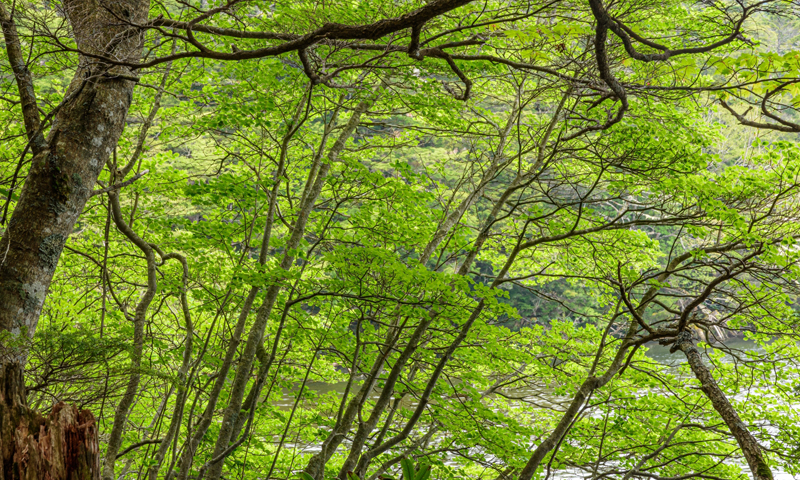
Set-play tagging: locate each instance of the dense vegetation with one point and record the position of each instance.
(256, 239)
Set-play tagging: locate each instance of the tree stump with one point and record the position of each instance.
(60, 446)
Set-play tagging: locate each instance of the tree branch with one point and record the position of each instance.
(27, 95)
(120, 185)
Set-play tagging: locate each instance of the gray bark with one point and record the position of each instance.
(85, 131)
(86, 127)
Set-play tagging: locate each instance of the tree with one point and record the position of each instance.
(332, 187)
(64, 168)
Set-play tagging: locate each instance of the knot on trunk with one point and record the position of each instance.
(681, 341)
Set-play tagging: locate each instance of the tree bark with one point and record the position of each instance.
(749, 445)
(60, 446)
(86, 127)
(139, 320)
(85, 131)
(27, 96)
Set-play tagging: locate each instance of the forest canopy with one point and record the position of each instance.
(399, 239)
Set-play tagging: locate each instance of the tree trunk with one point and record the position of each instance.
(61, 446)
(85, 131)
(86, 127)
(748, 443)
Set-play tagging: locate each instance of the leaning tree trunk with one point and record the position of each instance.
(747, 442)
(63, 172)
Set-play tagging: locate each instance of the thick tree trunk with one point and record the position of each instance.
(748, 443)
(61, 446)
(84, 133)
(63, 172)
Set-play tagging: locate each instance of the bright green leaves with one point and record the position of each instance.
(411, 473)
(577, 219)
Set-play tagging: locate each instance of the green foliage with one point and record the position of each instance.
(496, 253)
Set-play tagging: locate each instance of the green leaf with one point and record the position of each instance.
(408, 469)
(424, 472)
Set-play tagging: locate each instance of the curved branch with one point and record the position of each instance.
(120, 185)
(124, 406)
(464, 79)
(138, 445)
(329, 31)
(625, 34)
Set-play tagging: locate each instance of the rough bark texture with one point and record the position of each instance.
(64, 169)
(61, 446)
(84, 133)
(748, 443)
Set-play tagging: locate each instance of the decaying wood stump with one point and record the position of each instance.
(60, 446)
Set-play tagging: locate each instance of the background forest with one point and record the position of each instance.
(503, 239)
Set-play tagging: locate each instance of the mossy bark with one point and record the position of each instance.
(84, 131)
(64, 168)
